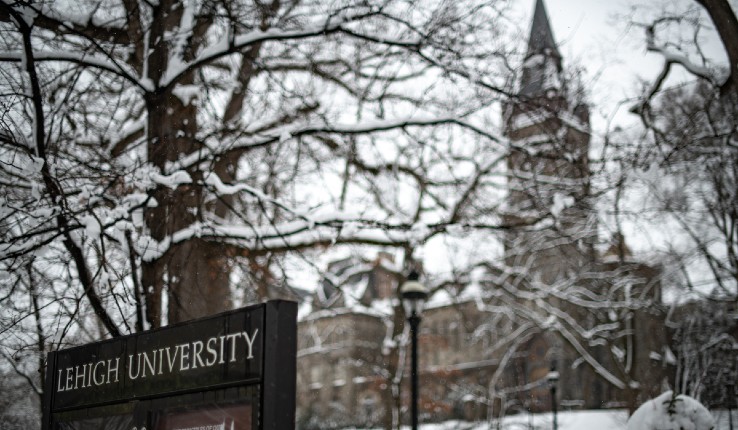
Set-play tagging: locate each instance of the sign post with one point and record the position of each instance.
(232, 371)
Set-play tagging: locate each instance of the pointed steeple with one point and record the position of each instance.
(542, 64)
(541, 40)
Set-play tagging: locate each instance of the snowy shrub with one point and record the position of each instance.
(669, 412)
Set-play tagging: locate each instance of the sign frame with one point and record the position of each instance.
(248, 354)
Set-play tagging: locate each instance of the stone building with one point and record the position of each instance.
(549, 178)
(479, 361)
(341, 375)
(345, 366)
(349, 375)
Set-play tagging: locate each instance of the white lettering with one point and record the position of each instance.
(213, 353)
(59, 386)
(130, 367)
(78, 376)
(148, 364)
(70, 377)
(171, 359)
(89, 375)
(192, 355)
(161, 355)
(196, 351)
(184, 356)
(94, 374)
(250, 342)
(232, 337)
(113, 370)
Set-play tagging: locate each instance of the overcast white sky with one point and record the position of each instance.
(596, 34)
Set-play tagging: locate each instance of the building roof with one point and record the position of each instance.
(541, 39)
(542, 64)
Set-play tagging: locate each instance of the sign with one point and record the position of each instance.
(215, 351)
(224, 418)
(216, 372)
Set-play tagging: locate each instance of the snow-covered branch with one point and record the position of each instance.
(250, 142)
(229, 43)
(108, 64)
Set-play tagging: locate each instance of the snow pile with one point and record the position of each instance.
(684, 413)
(603, 419)
(567, 420)
(612, 419)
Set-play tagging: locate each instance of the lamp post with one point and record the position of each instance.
(553, 380)
(413, 295)
(730, 388)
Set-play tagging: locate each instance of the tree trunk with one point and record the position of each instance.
(194, 275)
(726, 23)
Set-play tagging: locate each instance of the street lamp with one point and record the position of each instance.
(730, 388)
(413, 295)
(553, 380)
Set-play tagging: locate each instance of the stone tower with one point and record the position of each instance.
(548, 168)
(551, 244)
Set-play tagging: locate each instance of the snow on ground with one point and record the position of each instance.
(567, 420)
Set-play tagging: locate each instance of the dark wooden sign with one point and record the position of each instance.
(235, 370)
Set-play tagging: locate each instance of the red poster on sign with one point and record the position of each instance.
(232, 417)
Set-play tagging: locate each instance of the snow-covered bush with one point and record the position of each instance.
(669, 412)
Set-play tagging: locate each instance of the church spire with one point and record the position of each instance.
(541, 40)
(542, 65)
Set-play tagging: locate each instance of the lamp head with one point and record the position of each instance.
(413, 294)
(553, 378)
